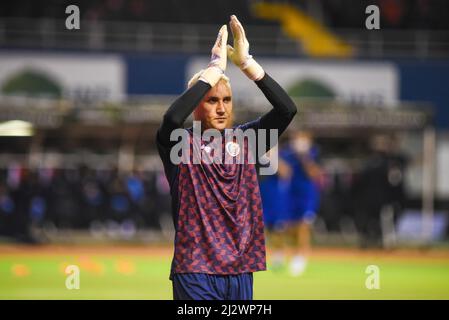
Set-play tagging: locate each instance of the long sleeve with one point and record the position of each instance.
(284, 108)
(174, 118)
(178, 112)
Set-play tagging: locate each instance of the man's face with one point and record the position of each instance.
(215, 110)
(302, 142)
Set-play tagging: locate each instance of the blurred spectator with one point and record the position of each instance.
(76, 198)
(378, 185)
(162, 191)
(307, 177)
(274, 190)
(291, 200)
(392, 12)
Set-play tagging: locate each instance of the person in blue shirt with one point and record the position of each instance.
(304, 194)
(275, 193)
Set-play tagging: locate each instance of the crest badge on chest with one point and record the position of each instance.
(233, 148)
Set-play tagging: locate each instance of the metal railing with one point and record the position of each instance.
(134, 37)
(316, 113)
(197, 39)
(397, 43)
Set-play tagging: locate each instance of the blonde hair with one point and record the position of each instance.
(197, 76)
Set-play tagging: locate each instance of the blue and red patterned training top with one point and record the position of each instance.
(219, 219)
(217, 209)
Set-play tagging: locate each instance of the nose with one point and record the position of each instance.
(220, 108)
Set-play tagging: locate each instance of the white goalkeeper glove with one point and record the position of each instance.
(239, 54)
(217, 65)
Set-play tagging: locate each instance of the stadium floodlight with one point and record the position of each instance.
(16, 128)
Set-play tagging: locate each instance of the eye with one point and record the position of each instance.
(227, 99)
(212, 100)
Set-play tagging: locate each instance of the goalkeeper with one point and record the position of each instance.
(217, 210)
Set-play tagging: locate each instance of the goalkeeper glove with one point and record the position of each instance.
(239, 54)
(217, 65)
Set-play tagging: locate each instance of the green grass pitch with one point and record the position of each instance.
(137, 276)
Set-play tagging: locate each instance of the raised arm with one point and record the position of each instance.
(284, 108)
(178, 112)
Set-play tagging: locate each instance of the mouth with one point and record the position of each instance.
(221, 119)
